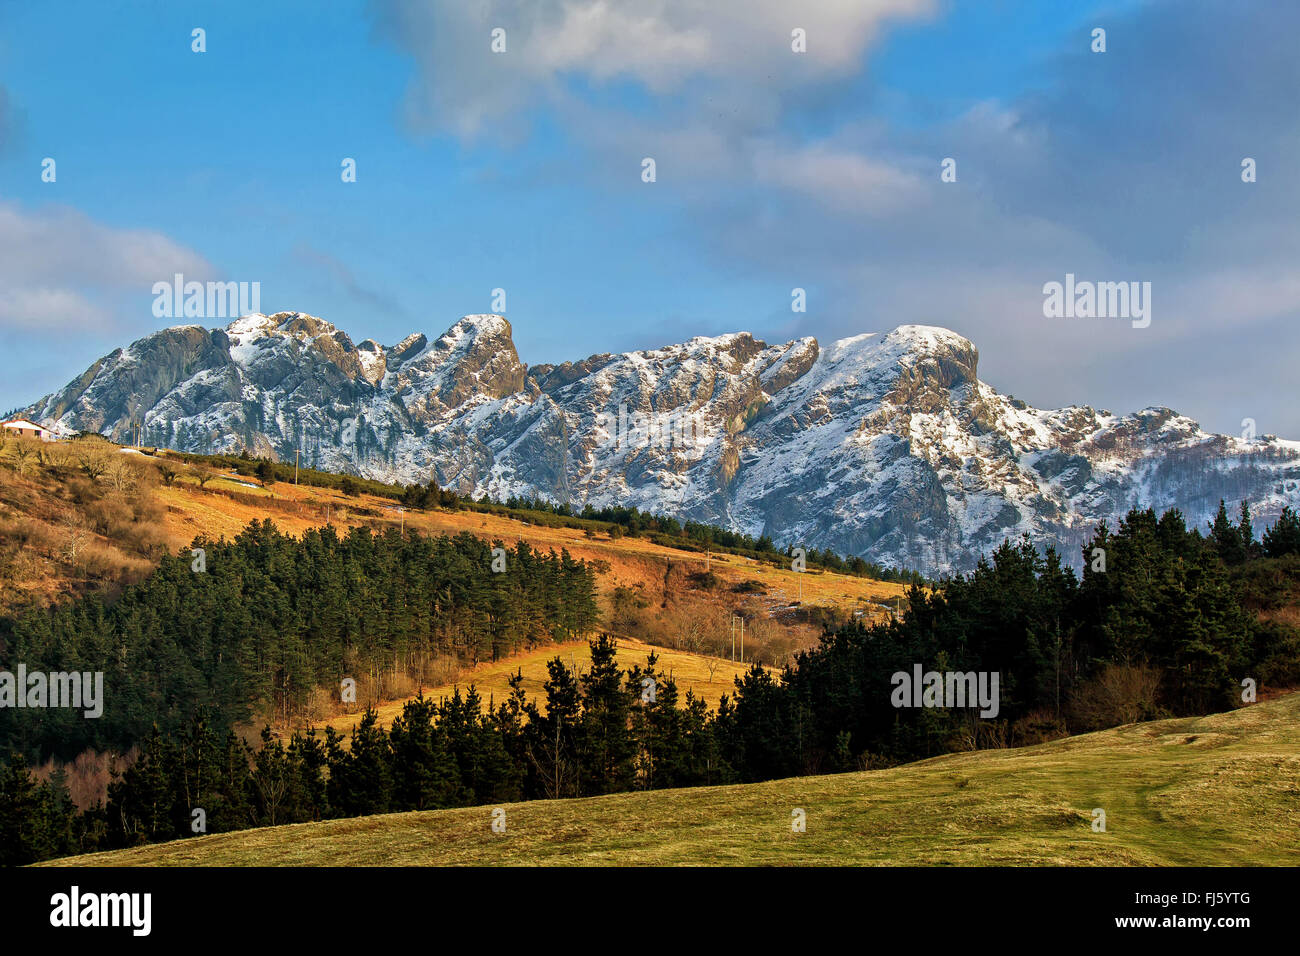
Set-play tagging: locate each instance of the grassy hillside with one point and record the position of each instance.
(1217, 790)
(122, 513)
(634, 561)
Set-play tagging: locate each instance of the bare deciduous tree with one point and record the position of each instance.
(94, 460)
(78, 535)
(23, 453)
(122, 474)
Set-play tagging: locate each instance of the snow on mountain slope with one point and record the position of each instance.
(885, 444)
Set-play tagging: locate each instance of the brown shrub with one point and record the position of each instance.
(443, 669)
(82, 491)
(103, 561)
(111, 515)
(1120, 694)
(1037, 727)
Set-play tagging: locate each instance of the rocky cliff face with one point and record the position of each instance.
(885, 445)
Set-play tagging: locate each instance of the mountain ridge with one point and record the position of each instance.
(883, 444)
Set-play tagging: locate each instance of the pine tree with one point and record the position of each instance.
(1248, 546)
(141, 802)
(425, 773)
(1227, 539)
(605, 748)
(36, 819)
(360, 776)
(550, 739)
(1284, 536)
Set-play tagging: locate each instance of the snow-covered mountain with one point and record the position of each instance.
(885, 445)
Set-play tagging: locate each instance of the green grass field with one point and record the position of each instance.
(1218, 790)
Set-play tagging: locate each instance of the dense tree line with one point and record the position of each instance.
(265, 619)
(38, 819)
(603, 731)
(1161, 622)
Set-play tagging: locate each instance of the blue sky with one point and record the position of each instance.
(522, 170)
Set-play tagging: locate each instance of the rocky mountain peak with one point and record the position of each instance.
(476, 356)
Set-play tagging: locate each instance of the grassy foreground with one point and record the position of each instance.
(1217, 790)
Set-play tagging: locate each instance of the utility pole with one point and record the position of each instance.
(742, 640)
(731, 630)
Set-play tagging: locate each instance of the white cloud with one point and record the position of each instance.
(54, 261)
(659, 44)
(49, 309)
(839, 179)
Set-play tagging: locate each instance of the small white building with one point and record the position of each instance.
(22, 428)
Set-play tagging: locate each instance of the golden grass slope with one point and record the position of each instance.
(127, 515)
(492, 679)
(632, 560)
(1216, 790)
